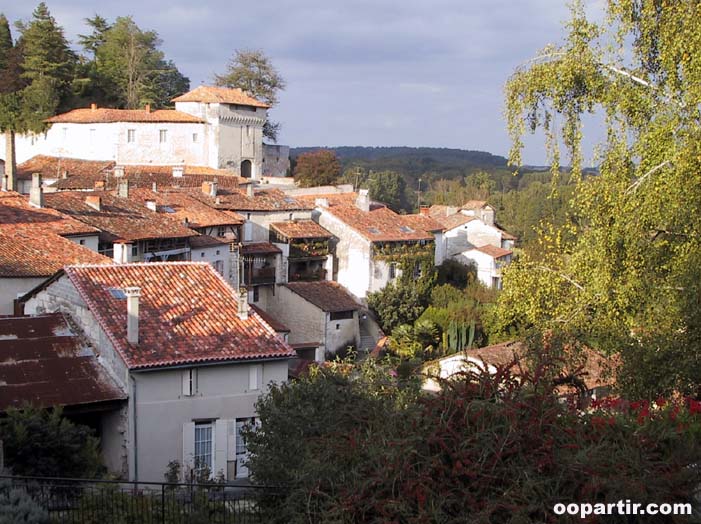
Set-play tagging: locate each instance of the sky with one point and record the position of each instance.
(358, 72)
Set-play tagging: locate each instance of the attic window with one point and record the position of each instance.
(117, 293)
(374, 230)
(168, 209)
(405, 229)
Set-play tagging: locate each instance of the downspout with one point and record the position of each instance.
(132, 380)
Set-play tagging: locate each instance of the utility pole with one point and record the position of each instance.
(418, 203)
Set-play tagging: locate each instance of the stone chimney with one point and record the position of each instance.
(424, 210)
(93, 106)
(151, 204)
(154, 187)
(64, 174)
(362, 202)
(249, 190)
(210, 188)
(321, 202)
(36, 192)
(243, 303)
(94, 201)
(133, 294)
(147, 107)
(178, 171)
(123, 189)
(119, 171)
(99, 185)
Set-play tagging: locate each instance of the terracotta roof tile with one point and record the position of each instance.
(220, 95)
(202, 241)
(327, 296)
(423, 222)
(55, 167)
(300, 229)
(493, 251)
(263, 200)
(474, 204)
(103, 115)
(187, 314)
(274, 323)
(455, 220)
(16, 213)
(26, 254)
(118, 218)
(259, 248)
(43, 363)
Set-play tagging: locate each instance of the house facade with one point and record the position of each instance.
(190, 354)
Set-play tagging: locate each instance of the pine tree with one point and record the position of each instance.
(6, 44)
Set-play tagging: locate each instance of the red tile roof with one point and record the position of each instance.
(274, 323)
(263, 200)
(26, 254)
(55, 167)
(119, 218)
(16, 213)
(300, 229)
(203, 241)
(187, 314)
(379, 225)
(474, 204)
(456, 220)
(327, 296)
(182, 206)
(103, 115)
(423, 222)
(44, 363)
(260, 248)
(220, 95)
(493, 251)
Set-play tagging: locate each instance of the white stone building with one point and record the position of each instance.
(210, 126)
(184, 346)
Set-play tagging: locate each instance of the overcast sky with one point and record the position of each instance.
(358, 72)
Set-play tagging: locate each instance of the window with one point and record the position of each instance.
(134, 251)
(254, 370)
(392, 270)
(203, 446)
(338, 326)
(194, 137)
(291, 215)
(221, 231)
(162, 135)
(189, 382)
(81, 241)
(256, 294)
(341, 315)
(202, 254)
(131, 135)
(219, 266)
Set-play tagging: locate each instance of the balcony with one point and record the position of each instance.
(309, 249)
(257, 276)
(309, 275)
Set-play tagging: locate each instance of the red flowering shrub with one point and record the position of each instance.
(485, 449)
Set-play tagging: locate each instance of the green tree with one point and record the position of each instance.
(6, 43)
(43, 443)
(317, 168)
(390, 188)
(133, 70)
(252, 71)
(622, 272)
(94, 40)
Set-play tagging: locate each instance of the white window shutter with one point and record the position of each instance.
(220, 446)
(253, 382)
(188, 447)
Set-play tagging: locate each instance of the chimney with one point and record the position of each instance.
(133, 294)
(424, 210)
(119, 171)
(321, 202)
(151, 204)
(64, 174)
(99, 185)
(154, 187)
(93, 107)
(243, 303)
(178, 171)
(94, 201)
(147, 107)
(36, 192)
(123, 189)
(210, 188)
(362, 202)
(249, 190)
(4, 182)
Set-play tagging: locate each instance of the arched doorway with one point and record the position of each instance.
(246, 169)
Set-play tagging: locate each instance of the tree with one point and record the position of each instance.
(42, 443)
(252, 71)
(390, 188)
(16, 505)
(94, 40)
(6, 43)
(622, 272)
(132, 69)
(11, 85)
(317, 168)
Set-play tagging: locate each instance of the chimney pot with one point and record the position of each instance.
(249, 190)
(362, 201)
(93, 107)
(154, 187)
(148, 108)
(424, 210)
(36, 192)
(209, 188)
(133, 294)
(178, 171)
(119, 171)
(123, 189)
(321, 202)
(151, 204)
(94, 201)
(99, 185)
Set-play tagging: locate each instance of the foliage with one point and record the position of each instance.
(43, 443)
(389, 188)
(130, 68)
(316, 168)
(456, 274)
(622, 273)
(485, 448)
(16, 505)
(252, 71)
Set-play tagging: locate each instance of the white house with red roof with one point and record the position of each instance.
(185, 346)
(210, 126)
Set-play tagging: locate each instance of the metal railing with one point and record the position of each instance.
(80, 501)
